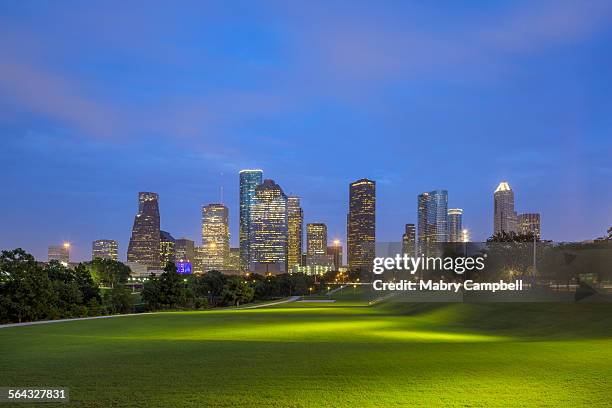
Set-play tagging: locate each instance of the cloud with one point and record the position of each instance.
(380, 48)
(52, 96)
(547, 24)
(326, 53)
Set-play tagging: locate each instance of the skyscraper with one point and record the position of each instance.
(361, 224)
(215, 237)
(166, 248)
(184, 250)
(455, 224)
(144, 243)
(198, 260)
(335, 251)
(432, 216)
(234, 259)
(268, 246)
(249, 180)
(409, 240)
(316, 239)
(529, 223)
(295, 225)
(104, 249)
(504, 216)
(59, 253)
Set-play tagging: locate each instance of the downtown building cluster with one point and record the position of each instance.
(272, 231)
(271, 234)
(505, 218)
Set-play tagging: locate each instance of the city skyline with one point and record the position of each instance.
(522, 222)
(177, 103)
(452, 229)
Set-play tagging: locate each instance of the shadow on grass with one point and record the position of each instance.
(526, 320)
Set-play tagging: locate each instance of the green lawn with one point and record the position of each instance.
(336, 355)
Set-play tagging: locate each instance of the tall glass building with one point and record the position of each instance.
(104, 249)
(145, 239)
(184, 250)
(166, 248)
(215, 237)
(60, 253)
(432, 216)
(295, 225)
(335, 251)
(504, 216)
(316, 239)
(361, 224)
(409, 240)
(455, 224)
(249, 180)
(529, 223)
(269, 230)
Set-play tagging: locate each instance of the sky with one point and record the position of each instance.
(101, 100)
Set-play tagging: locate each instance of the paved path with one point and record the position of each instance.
(289, 299)
(331, 292)
(5, 326)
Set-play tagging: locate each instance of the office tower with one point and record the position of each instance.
(316, 239)
(215, 237)
(455, 224)
(184, 250)
(59, 253)
(361, 224)
(318, 261)
(234, 259)
(268, 246)
(166, 248)
(249, 180)
(198, 260)
(335, 251)
(144, 243)
(295, 225)
(409, 240)
(529, 223)
(432, 216)
(504, 216)
(104, 249)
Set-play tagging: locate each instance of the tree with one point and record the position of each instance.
(214, 282)
(166, 291)
(151, 294)
(208, 286)
(119, 300)
(173, 289)
(504, 236)
(108, 272)
(267, 288)
(86, 283)
(294, 284)
(30, 291)
(25, 288)
(237, 291)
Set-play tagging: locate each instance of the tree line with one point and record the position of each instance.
(31, 290)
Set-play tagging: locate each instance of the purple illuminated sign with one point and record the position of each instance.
(183, 268)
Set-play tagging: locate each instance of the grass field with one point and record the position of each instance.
(335, 355)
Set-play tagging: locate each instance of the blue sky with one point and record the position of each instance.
(101, 100)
